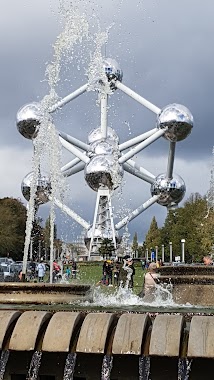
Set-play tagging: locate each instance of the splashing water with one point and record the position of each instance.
(34, 366)
(106, 367)
(47, 148)
(144, 367)
(184, 368)
(3, 362)
(124, 296)
(69, 366)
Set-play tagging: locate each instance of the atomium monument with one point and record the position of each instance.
(103, 159)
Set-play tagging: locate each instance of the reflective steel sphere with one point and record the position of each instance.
(178, 119)
(112, 69)
(171, 191)
(43, 188)
(102, 147)
(28, 120)
(96, 135)
(103, 171)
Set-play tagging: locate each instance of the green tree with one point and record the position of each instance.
(106, 248)
(135, 243)
(12, 227)
(153, 236)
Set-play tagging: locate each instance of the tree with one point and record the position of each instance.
(106, 248)
(153, 237)
(13, 217)
(135, 243)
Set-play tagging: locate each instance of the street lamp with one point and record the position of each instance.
(182, 250)
(163, 258)
(170, 252)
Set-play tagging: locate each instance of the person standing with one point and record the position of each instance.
(41, 270)
(151, 279)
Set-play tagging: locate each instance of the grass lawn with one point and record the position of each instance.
(89, 273)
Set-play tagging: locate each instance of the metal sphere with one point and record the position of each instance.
(171, 191)
(96, 135)
(102, 147)
(112, 69)
(28, 119)
(43, 188)
(103, 171)
(178, 119)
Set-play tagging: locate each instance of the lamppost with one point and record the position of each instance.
(170, 252)
(156, 252)
(163, 258)
(147, 254)
(182, 250)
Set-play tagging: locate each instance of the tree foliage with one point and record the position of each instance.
(106, 248)
(135, 243)
(12, 227)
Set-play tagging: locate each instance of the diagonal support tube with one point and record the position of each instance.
(68, 98)
(74, 150)
(137, 97)
(139, 168)
(70, 213)
(70, 164)
(138, 173)
(76, 169)
(74, 141)
(136, 140)
(136, 212)
(142, 145)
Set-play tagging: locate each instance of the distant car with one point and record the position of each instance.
(8, 271)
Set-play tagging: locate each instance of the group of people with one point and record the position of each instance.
(117, 273)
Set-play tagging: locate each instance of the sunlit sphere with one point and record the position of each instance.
(43, 188)
(103, 171)
(112, 69)
(102, 147)
(28, 119)
(178, 119)
(171, 191)
(96, 135)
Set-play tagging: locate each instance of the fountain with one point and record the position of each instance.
(50, 331)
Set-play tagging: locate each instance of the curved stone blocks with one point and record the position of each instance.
(94, 332)
(27, 330)
(129, 334)
(201, 337)
(62, 326)
(7, 317)
(166, 335)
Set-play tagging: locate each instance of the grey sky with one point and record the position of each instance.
(165, 50)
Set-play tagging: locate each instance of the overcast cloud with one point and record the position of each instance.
(165, 50)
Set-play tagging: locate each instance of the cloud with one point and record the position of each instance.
(165, 52)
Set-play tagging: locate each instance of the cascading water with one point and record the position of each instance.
(34, 366)
(106, 367)
(184, 368)
(144, 367)
(3, 362)
(69, 366)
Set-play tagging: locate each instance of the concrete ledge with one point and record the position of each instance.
(201, 337)
(42, 293)
(27, 329)
(129, 334)
(94, 332)
(60, 331)
(7, 317)
(166, 335)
